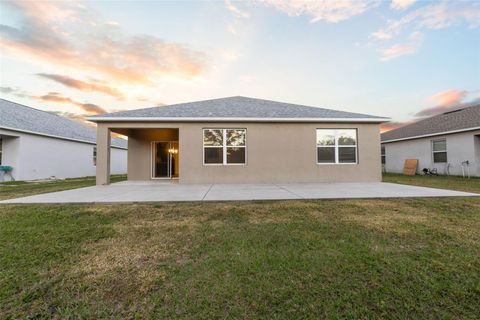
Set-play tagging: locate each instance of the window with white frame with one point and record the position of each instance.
(0, 151)
(336, 146)
(224, 146)
(95, 156)
(439, 151)
(383, 155)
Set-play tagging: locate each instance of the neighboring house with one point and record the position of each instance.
(243, 140)
(39, 145)
(444, 142)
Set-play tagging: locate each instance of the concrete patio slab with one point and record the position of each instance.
(366, 190)
(219, 192)
(162, 191)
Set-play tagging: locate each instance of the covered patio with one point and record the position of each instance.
(172, 191)
(153, 153)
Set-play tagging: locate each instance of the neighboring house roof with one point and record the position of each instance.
(459, 120)
(17, 117)
(236, 109)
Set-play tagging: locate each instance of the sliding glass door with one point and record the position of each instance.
(165, 159)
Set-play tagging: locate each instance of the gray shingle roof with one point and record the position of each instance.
(461, 119)
(234, 108)
(22, 118)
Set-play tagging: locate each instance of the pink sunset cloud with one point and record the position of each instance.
(444, 101)
(56, 97)
(66, 34)
(397, 50)
(384, 127)
(401, 4)
(83, 85)
(321, 10)
(437, 15)
(449, 97)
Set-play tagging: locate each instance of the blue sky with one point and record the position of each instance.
(403, 58)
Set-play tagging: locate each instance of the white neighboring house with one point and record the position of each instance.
(446, 142)
(40, 145)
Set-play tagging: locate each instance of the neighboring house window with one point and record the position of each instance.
(1, 151)
(95, 156)
(439, 149)
(336, 146)
(383, 155)
(224, 146)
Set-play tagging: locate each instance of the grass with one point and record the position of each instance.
(387, 258)
(441, 182)
(16, 189)
(409, 258)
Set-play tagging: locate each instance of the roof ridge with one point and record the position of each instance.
(465, 118)
(432, 117)
(166, 105)
(235, 100)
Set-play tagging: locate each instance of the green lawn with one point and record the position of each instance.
(16, 189)
(401, 258)
(441, 182)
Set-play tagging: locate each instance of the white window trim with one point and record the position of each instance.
(439, 151)
(336, 146)
(224, 147)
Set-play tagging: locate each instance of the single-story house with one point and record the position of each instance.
(40, 145)
(243, 140)
(448, 142)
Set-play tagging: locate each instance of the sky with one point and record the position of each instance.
(403, 59)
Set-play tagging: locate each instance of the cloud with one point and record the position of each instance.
(449, 100)
(56, 97)
(447, 14)
(68, 34)
(384, 127)
(229, 55)
(381, 35)
(321, 10)
(112, 23)
(401, 4)
(397, 50)
(445, 101)
(82, 118)
(6, 90)
(438, 15)
(14, 92)
(235, 10)
(429, 112)
(449, 97)
(82, 85)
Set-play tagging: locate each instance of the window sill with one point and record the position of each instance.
(337, 164)
(223, 165)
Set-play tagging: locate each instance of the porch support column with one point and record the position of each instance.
(103, 154)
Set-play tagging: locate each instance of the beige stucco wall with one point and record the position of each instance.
(276, 152)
